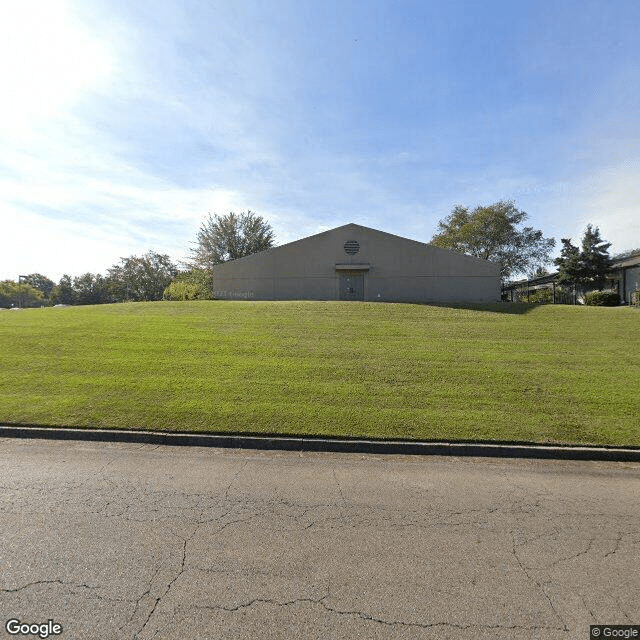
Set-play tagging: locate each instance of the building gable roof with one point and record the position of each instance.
(357, 228)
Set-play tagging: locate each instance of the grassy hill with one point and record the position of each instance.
(501, 372)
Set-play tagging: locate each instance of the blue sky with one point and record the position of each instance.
(122, 124)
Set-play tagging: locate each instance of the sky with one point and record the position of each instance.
(124, 124)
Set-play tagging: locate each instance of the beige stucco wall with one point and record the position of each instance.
(399, 269)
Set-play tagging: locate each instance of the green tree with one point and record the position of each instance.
(40, 282)
(492, 233)
(539, 272)
(139, 278)
(570, 270)
(8, 288)
(229, 237)
(63, 292)
(13, 294)
(91, 289)
(595, 254)
(585, 268)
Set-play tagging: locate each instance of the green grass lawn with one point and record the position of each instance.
(498, 372)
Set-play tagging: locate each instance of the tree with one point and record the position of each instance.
(491, 233)
(595, 255)
(569, 265)
(539, 272)
(229, 237)
(40, 282)
(586, 268)
(13, 294)
(141, 277)
(63, 292)
(91, 289)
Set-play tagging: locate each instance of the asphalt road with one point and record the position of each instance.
(141, 541)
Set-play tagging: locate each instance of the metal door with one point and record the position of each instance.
(351, 286)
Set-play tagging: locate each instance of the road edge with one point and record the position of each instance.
(397, 447)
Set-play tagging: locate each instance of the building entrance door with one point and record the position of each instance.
(351, 285)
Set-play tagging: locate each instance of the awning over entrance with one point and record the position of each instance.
(352, 267)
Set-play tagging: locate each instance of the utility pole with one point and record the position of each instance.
(20, 291)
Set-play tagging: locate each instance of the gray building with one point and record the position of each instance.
(358, 263)
(625, 276)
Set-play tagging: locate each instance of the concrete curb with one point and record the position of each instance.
(483, 449)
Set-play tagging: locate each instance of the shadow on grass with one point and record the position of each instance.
(516, 308)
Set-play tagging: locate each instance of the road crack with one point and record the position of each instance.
(369, 618)
(536, 582)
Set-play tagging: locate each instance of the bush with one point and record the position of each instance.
(178, 290)
(190, 285)
(602, 299)
(541, 296)
(536, 296)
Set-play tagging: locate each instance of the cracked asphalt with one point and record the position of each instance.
(145, 541)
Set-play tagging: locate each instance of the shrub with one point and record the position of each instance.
(180, 290)
(602, 299)
(190, 285)
(536, 296)
(541, 296)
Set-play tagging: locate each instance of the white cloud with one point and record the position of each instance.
(82, 213)
(34, 243)
(91, 241)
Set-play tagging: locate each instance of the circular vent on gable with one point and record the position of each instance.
(351, 247)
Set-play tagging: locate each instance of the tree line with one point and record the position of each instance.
(134, 278)
(493, 232)
(152, 276)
